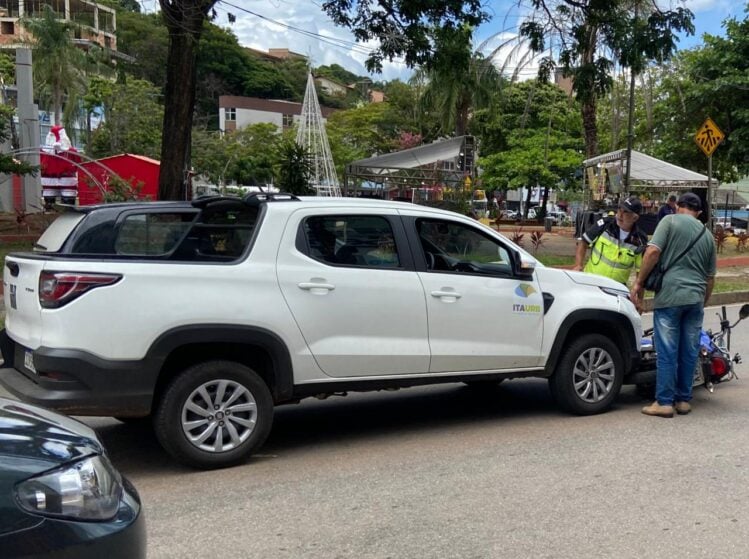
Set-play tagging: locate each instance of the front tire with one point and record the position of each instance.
(589, 375)
(214, 415)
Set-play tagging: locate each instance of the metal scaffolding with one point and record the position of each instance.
(312, 136)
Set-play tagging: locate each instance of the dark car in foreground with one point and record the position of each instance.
(60, 496)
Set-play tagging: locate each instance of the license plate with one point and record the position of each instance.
(13, 301)
(28, 361)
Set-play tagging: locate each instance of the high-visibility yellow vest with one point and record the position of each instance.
(613, 258)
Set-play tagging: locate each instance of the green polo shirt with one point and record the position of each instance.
(686, 279)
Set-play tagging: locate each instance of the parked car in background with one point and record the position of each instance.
(60, 496)
(559, 217)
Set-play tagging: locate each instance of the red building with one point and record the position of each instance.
(142, 173)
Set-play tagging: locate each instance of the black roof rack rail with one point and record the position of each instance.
(257, 198)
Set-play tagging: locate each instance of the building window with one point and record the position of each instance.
(288, 121)
(7, 28)
(231, 114)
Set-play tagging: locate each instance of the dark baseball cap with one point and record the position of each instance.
(631, 204)
(691, 201)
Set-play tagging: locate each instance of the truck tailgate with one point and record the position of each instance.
(22, 310)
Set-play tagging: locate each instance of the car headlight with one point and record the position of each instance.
(615, 292)
(89, 489)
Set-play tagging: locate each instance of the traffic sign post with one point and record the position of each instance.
(708, 138)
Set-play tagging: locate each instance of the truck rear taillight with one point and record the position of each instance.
(59, 288)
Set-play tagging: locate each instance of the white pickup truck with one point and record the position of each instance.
(203, 315)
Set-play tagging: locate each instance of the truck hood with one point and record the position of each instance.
(583, 278)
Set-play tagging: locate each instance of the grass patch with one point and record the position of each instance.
(14, 246)
(554, 260)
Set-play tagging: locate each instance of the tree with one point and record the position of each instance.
(246, 156)
(458, 81)
(536, 137)
(363, 131)
(294, 169)
(589, 32)
(8, 163)
(58, 64)
(184, 20)
(132, 117)
(404, 28)
(145, 38)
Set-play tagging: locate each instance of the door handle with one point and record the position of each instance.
(454, 295)
(312, 286)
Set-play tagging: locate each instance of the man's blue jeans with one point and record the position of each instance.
(677, 337)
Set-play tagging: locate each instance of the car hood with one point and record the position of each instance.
(40, 439)
(34, 440)
(594, 280)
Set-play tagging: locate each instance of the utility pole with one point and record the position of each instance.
(29, 136)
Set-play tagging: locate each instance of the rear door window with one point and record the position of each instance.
(152, 234)
(352, 240)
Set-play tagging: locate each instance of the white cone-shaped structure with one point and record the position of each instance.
(312, 136)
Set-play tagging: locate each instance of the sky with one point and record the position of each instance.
(303, 27)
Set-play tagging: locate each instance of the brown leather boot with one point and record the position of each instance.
(658, 410)
(683, 408)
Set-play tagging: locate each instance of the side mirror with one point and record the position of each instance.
(744, 311)
(526, 266)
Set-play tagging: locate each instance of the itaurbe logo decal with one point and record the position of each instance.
(525, 290)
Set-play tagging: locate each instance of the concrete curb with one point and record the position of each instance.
(717, 299)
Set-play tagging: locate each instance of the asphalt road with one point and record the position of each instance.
(449, 471)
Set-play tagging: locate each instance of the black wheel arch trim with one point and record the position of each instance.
(203, 334)
(605, 321)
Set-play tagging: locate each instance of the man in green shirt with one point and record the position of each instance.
(679, 305)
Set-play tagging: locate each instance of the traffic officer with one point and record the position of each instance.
(616, 243)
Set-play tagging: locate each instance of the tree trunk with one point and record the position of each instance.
(589, 103)
(589, 128)
(184, 20)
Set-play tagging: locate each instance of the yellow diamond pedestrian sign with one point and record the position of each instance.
(709, 137)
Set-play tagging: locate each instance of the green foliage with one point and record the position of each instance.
(7, 69)
(9, 164)
(294, 169)
(362, 132)
(145, 38)
(597, 35)
(458, 81)
(226, 68)
(713, 81)
(133, 118)
(532, 138)
(121, 190)
(58, 64)
(247, 157)
(337, 73)
(403, 28)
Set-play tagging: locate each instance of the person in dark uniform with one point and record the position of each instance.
(667, 209)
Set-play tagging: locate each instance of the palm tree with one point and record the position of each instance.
(58, 64)
(458, 81)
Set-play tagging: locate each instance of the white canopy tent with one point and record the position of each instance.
(653, 173)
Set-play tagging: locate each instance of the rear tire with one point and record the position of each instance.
(214, 415)
(589, 375)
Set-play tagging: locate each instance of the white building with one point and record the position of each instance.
(235, 113)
